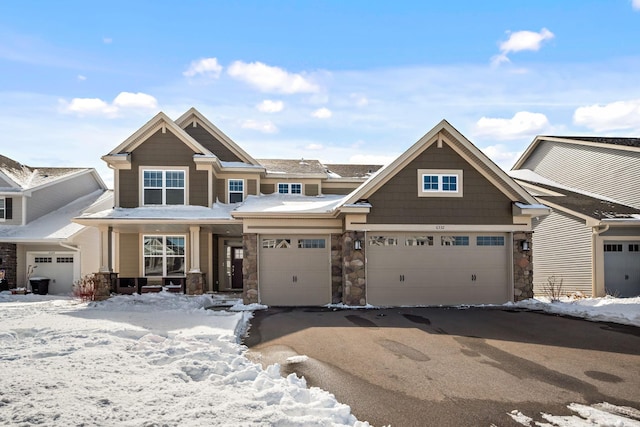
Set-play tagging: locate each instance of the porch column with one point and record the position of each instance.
(105, 248)
(522, 266)
(194, 248)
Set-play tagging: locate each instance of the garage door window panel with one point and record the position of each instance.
(490, 241)
(383, 241)
(311, 243)
(419, 241)
(454, 240)
(276, 243)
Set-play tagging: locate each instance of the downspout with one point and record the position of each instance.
(595, 232)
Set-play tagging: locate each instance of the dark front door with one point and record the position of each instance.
(236, 267)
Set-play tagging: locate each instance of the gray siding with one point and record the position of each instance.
(158, 151)
(562, 247)
(212, 144)
(397, 201)
(130, 255)
(52, 197)
(16, 211)
(311, 190)
(609, 172)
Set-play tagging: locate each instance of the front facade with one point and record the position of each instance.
(440, 225)
(37, 237)
(591, 240)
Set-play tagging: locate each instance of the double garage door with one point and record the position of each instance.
(295, 270)
(433, 269)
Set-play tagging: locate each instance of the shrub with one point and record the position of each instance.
(553, 288)
(85, 288)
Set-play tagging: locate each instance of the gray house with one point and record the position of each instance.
(591, 240)
(442, 224)
(37, 236)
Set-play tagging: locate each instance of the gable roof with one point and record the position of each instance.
(614, 143)
(23, 177)
(352, 170)
(192, 116)
(443, 132)
(293, 167)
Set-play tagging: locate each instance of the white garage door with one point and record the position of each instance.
(432, 269)
(57, 266)
(622, 268)
(295, 270)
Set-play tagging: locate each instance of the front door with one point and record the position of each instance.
(237, 254)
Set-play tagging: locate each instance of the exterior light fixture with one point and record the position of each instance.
(525, 245)
(357, 245)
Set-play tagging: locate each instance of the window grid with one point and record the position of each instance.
(634, 247)
(419, 241)
(164, 255)
(286, 188)
(454, 240)
(276, 243)
(236, 190)
(609, 247)
(42, 260)
(383, 241)
(490, 241)
(164, 187)
(64, 260)
(311, 243)
(2, 209)
(440, 183)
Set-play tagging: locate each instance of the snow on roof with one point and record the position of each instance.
(218, 211)
(284, 203)
(293, 166)
(351, 170)
(29, 177)
(55, 225)
(239, 165)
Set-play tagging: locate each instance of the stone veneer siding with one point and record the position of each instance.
(355, 281)
(250, 268)
(195, 283)
(336, 269)
(522, 267)
(102, 285)
(9, 263)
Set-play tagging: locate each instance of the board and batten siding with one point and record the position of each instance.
(562, 248)
(609, 172)
(55, 196)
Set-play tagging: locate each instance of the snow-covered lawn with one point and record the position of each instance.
(162, 359)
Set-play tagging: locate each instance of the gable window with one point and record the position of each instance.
(164, 255)
(286, 188)
(236, 190)
(163, 187)
(439, 183)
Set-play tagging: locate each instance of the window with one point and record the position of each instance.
(164, 255)
(285, 188)
(311, 243)
(163, 187)
(634, 247)
(276, 243)
(2, 209)
(419, 241)
(454, 240)
(439, 183)
(612, 247)
(383, 241)
(490, 241)
(236, 190)
(64, 260)
(42, 260)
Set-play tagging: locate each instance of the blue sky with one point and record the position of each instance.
(338, 81)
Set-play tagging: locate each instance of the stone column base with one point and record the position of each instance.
(195, 283)
(102, 285)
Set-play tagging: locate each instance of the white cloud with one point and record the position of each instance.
(107, 40)
(81, 77)
(264, 127)
(635, 4)
(271, 79)
(360, 100)
(207, 67)
(502, 155)
(135, 100)
(521, 40)
(522, 124)
(314, 147)
(269, 106)
(322, 113)
(96, 106)
(614, 116)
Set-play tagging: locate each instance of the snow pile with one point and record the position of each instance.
(152, 359)
(607, 309)
(601, 414)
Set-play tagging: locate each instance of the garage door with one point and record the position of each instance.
(295, 270)
(622, 268)
(58, 266)
(432, 269)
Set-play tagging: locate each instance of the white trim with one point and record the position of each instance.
(164, 252)
(229, 192)
(440, 174)
(3, 199)
(438, 228)
(289, 185)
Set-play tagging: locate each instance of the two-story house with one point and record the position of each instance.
(591, 241)
(442, 224)
(37, 236)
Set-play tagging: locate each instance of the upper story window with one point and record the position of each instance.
(163, 187)
(439, 183)
(286, 188)
(236, 190)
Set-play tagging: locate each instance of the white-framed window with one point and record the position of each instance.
(164, 255)
(236, 190)
(439, 183)
(454, 240)
(489, 240)
(3, 212)
(276, 243)
(163, 187)
(419, 241)
(383, 241)
(289, 188)
(311, 243)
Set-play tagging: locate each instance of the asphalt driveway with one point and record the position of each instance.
(448, 366)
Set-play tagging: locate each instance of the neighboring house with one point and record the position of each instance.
(37, 236)
(591, 241)
(440, 225)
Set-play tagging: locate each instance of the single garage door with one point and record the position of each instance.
(433, 269)
(57, 266)
(622, 268)
(295, 270)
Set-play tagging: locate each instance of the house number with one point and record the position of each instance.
(439, 227)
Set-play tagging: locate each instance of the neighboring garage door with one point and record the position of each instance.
(432, 269)
(295, 270)
(58, 266)
(622, 268)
